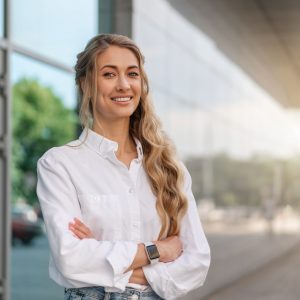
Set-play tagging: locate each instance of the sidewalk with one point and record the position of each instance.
(240, 249)
(276, 281)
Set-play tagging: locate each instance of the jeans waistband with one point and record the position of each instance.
(99, 293)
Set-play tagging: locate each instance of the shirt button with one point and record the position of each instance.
(131, 190)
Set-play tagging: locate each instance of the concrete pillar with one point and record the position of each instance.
(115, 16)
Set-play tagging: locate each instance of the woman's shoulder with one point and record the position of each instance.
(60, 153)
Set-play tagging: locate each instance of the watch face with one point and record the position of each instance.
(152, 252)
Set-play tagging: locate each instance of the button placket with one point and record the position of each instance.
(132, 177)
(135, 221)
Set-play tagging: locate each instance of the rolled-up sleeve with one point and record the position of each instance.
(175, 279)
(85, 262)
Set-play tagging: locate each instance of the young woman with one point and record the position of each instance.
(121, 218)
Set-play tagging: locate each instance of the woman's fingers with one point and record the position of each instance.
(80, 229)
(78, 233)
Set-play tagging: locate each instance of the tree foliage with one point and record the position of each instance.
(40, 121)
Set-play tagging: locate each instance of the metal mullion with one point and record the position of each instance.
(41, 58)
(4, 44)
(6, 156)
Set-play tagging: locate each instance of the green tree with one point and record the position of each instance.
(40, 121)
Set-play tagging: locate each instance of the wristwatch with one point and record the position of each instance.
(152, 252)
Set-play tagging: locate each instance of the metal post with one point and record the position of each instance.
(115, 16)
(5, 138)
(105, 16)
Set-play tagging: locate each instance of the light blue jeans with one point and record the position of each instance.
(98, 293)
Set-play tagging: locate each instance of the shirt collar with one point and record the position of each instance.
(103, 145)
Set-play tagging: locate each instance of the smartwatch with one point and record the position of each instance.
(152, 252)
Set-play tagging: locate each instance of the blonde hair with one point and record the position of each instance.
(160, 162)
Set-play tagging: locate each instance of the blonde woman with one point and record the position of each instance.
(121, 218)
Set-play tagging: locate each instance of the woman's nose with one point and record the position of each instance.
(123, 83)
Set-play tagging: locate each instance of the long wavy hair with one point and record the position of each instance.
(160, 162)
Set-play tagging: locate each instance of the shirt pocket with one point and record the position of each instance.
(102, 214)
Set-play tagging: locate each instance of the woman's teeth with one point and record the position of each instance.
(123, 99)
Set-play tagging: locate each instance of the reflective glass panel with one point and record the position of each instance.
(57, 29)
(239, 144)
(60, 82)
(1, 17)
(38, 92)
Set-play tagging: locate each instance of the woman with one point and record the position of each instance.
(121, 219)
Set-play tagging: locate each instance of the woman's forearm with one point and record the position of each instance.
(169, 248)
(140, 259)
(138, 277)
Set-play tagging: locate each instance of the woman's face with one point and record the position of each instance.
(118, 84)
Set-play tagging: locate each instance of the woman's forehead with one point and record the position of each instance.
(117, 56)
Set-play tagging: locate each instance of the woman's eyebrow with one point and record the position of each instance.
(133, 67)
(115, 67)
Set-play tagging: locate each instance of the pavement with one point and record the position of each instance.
(236, 256)
(243, 247)
(29, 273)
(277, 280)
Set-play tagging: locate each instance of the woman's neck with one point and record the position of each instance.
(118, 131)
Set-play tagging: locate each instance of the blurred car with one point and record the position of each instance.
(25, 224)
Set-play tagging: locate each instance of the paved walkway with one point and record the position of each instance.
(277, 281)
(235, 254)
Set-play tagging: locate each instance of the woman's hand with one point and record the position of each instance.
(138, 277)
(80, 230)
(169, 248)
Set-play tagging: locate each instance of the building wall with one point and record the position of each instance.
(207, 104)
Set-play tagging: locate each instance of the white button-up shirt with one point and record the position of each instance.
(84, 179)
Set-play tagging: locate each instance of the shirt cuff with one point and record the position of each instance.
(120, 258)
(161, 281)
(158, 277)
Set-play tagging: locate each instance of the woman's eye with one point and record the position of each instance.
(108, 75)
(133, 74)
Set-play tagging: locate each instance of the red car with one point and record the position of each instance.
(25, 224)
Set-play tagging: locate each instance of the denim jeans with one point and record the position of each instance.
(98, 293)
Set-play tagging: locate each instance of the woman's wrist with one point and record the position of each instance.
(160, 249)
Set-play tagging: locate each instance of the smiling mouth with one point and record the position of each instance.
(121, 99)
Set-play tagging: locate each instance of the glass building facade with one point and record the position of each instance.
(207, 104)
(240, 145)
